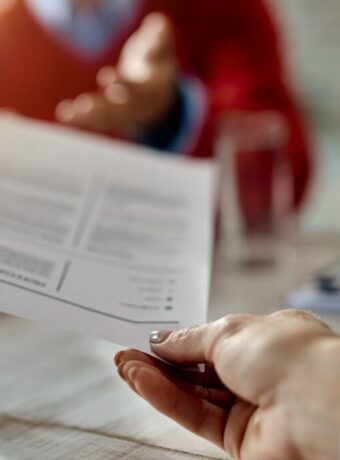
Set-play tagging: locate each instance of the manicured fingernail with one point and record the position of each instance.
(158, 337)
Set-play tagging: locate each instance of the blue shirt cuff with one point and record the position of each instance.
(180, 130)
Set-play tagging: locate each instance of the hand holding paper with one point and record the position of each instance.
(270, 390)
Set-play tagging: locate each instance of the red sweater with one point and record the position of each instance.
(230, 45)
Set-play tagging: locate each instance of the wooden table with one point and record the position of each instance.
(60, 397)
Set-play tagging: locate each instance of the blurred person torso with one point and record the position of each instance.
(51, 50)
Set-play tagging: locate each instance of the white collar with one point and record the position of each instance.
(50, 12)
(58, 17)
(59, 12)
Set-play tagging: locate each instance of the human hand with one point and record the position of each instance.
(269, 392)
(138, 92)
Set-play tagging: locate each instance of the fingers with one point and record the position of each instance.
(158, 32)
(197, 344)
(220, 397)
(115, 88)
(190, 411)
(203, 343)
(207, 379)
(154, 37)
(224, 425)
(152, 41)
(94, 112)
(148, 49)
(252, 355)
(142, 85)
(135, 93)
(67, 110)
(107, 76)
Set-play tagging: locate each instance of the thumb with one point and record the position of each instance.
(158, 34)
(149, 45)
(197, 344)
(227, 344)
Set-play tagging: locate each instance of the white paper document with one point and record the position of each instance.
(102, 237)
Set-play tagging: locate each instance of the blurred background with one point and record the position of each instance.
(312, 40)
(78, 392)
(310, 34)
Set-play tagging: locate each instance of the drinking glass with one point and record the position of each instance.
(257, 189)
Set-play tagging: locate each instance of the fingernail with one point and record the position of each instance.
(131, 374)
(158, 337)
(128, 374)
(117, 358)
(121, 371)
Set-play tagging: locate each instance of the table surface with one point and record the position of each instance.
(60, 397)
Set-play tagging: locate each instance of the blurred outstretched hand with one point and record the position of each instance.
(137, 93)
